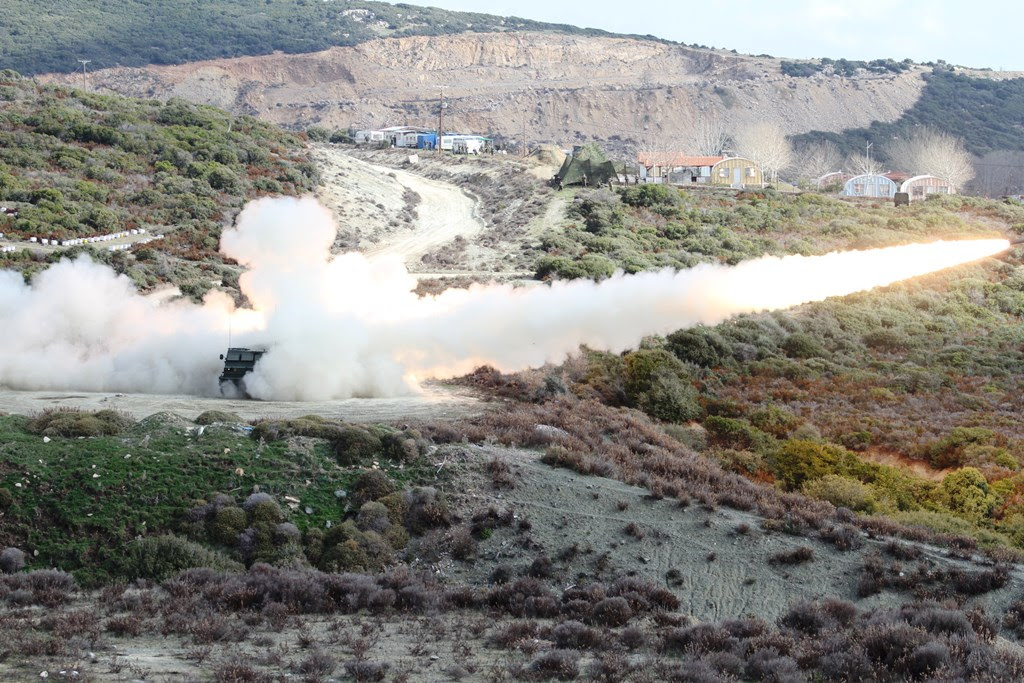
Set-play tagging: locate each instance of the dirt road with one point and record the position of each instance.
(436, 402)
(385, 211)
(444, 214)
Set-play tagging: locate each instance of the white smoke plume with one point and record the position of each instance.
(348, 326)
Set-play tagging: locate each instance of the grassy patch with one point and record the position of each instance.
(77, 502)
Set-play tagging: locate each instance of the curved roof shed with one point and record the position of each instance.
(869, 185)
(920, 186)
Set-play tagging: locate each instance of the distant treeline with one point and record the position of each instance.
(844, 67)
(987, 114)
(40, 37)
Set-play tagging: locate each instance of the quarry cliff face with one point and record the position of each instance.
(561, 88)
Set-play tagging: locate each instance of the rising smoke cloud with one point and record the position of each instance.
(350, 326)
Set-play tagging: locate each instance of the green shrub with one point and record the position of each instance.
(842, 492)
(6, 499)
(692, 436)
(803, 346)
(211, 416)
(70, 422)
(774, 420)
(940, 522)
(312, 426)
(952, 450)
(161, 557)
(225, 525)
(403, 446)
(739, 434)
(426, 509)
(650, 196)
(747, 463)
(966, 493)
(371, 485)
(313, 544)
(397, 507)
(353, 444)
(659, 384)
(889, 340)
(318, 134)
(261, 507)
(347, 548)
(373, 516)
(796, 462)
(700, 346)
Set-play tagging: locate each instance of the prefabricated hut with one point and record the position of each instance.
(869, 185)
(683, 169)
(363, 137)
(737, 172)
(471, 144)
(920, 186)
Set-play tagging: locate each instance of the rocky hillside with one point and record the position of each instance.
(565, 87)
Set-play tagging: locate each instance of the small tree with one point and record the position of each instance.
(862, 164)
(965, 491)
(765, 144)
(707, 135)
(932, 152)
(815, 159)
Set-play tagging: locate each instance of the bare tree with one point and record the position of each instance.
(812, 160)
(862, 164)
(765, 144)
(658, 151)
(707, 135)
(932, 152)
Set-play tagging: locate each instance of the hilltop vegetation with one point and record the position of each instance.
(140, 32)
(843, 67)
(654, 226)
(987, 114)
(76, 164)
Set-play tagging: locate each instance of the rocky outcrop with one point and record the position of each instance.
(562, 88)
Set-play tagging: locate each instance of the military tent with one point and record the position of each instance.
(586, 166)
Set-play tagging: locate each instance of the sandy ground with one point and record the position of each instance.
(435, 402)
(444, 214)
(368, 202)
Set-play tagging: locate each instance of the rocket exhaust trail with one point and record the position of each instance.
(348, 326)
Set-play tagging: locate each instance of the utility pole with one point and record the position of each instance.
(440, 119)
(83, 62)
(870, 168)
(524, 132)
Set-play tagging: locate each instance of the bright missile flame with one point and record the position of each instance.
(772, 283)
(551, 323)
(343, 326)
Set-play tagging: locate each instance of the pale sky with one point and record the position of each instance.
(984, 33)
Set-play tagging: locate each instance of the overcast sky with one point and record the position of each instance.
(984, 33)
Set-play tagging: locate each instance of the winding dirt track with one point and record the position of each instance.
(444, 213)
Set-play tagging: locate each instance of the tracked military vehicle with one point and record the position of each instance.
(238, 363)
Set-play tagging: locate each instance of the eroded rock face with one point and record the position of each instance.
(569, 87)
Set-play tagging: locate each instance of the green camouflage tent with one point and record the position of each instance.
(586, 166)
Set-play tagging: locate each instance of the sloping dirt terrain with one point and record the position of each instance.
(564, 88)
(580, 525)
